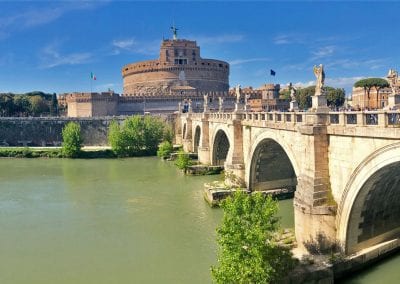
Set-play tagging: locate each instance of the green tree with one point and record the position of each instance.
(72, 140)
(136, 136)
(38, 105)
(164, 149)
(183, 160)
(335, 96)
(368, 84)
(7, 106)
(22, 105)
(54, 105)
(303, 97)
(248, 252)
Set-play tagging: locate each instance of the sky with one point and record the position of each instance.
(54, 46)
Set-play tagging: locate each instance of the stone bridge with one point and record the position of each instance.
(345, 167)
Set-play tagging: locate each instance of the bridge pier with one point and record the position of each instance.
(315, 208)
(187, 135)
(234, 164)
(203, 151)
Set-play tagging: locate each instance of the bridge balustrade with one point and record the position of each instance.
(351, 118)
(371, 119)
(393, 118)
(343, 118)
(333, 118)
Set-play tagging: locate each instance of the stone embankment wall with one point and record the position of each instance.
(46, 131)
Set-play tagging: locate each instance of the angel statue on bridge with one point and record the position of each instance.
(320, 74)
(238, 92)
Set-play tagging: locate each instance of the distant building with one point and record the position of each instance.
(180, 75)
(264, 98)
(376, 98)
(361, 100)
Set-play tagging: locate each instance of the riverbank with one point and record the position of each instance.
(90, 152)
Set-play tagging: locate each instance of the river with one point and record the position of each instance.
(136, 220)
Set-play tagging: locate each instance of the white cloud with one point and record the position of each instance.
(124, 43)
(289, 39)
(51, 57)
(324, 51)
(131, 45)
(247, 60)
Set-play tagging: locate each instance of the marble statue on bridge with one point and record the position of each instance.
(320, 74)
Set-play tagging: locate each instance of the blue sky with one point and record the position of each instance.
(53, 46)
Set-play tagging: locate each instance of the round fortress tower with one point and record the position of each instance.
(179, 70)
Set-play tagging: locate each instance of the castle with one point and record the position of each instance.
(179, 75)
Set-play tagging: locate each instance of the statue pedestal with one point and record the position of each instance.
(319, 104)
(294, 106)
(393, 100)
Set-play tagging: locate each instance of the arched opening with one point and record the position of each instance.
(184, 132)
(271, 168)
(375, 213)
(221, 148)
(197, 134)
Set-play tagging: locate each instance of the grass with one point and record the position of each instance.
(27, 152)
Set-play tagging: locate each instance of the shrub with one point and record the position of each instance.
(164, 149)
(248, 250)
(72, 140)
(183, 160)
(137, 136)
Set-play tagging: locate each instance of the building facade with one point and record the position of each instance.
(179, 69)
(178, 76)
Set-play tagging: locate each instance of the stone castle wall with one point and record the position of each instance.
(145, 77)
(38, 131)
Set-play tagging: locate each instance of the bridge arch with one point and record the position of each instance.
(221, 146)
(196, 140)
(369, 211)
(271, 163)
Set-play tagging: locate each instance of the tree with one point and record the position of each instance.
(183, 160)
(248, 252)
(54, 105)
(22, 105)
(72, 140)
(303, 96)
(368, 84)
(7, 106)
(335, 97)
(164, 149)
(136, 136)
(38, 105)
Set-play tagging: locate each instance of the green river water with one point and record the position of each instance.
(134, 220)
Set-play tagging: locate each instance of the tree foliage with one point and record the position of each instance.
(164, 149)
(248, 252)
(72, 140)
(335, 96)
(369, 83)
(28, 104)
(136, 136)
(183, 160)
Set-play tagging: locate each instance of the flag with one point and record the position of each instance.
(92, 76)
(272, 72)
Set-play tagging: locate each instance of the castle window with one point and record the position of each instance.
(220, 65)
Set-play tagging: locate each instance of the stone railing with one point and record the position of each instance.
(284, 117)
(369, 118)
(350, 118)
